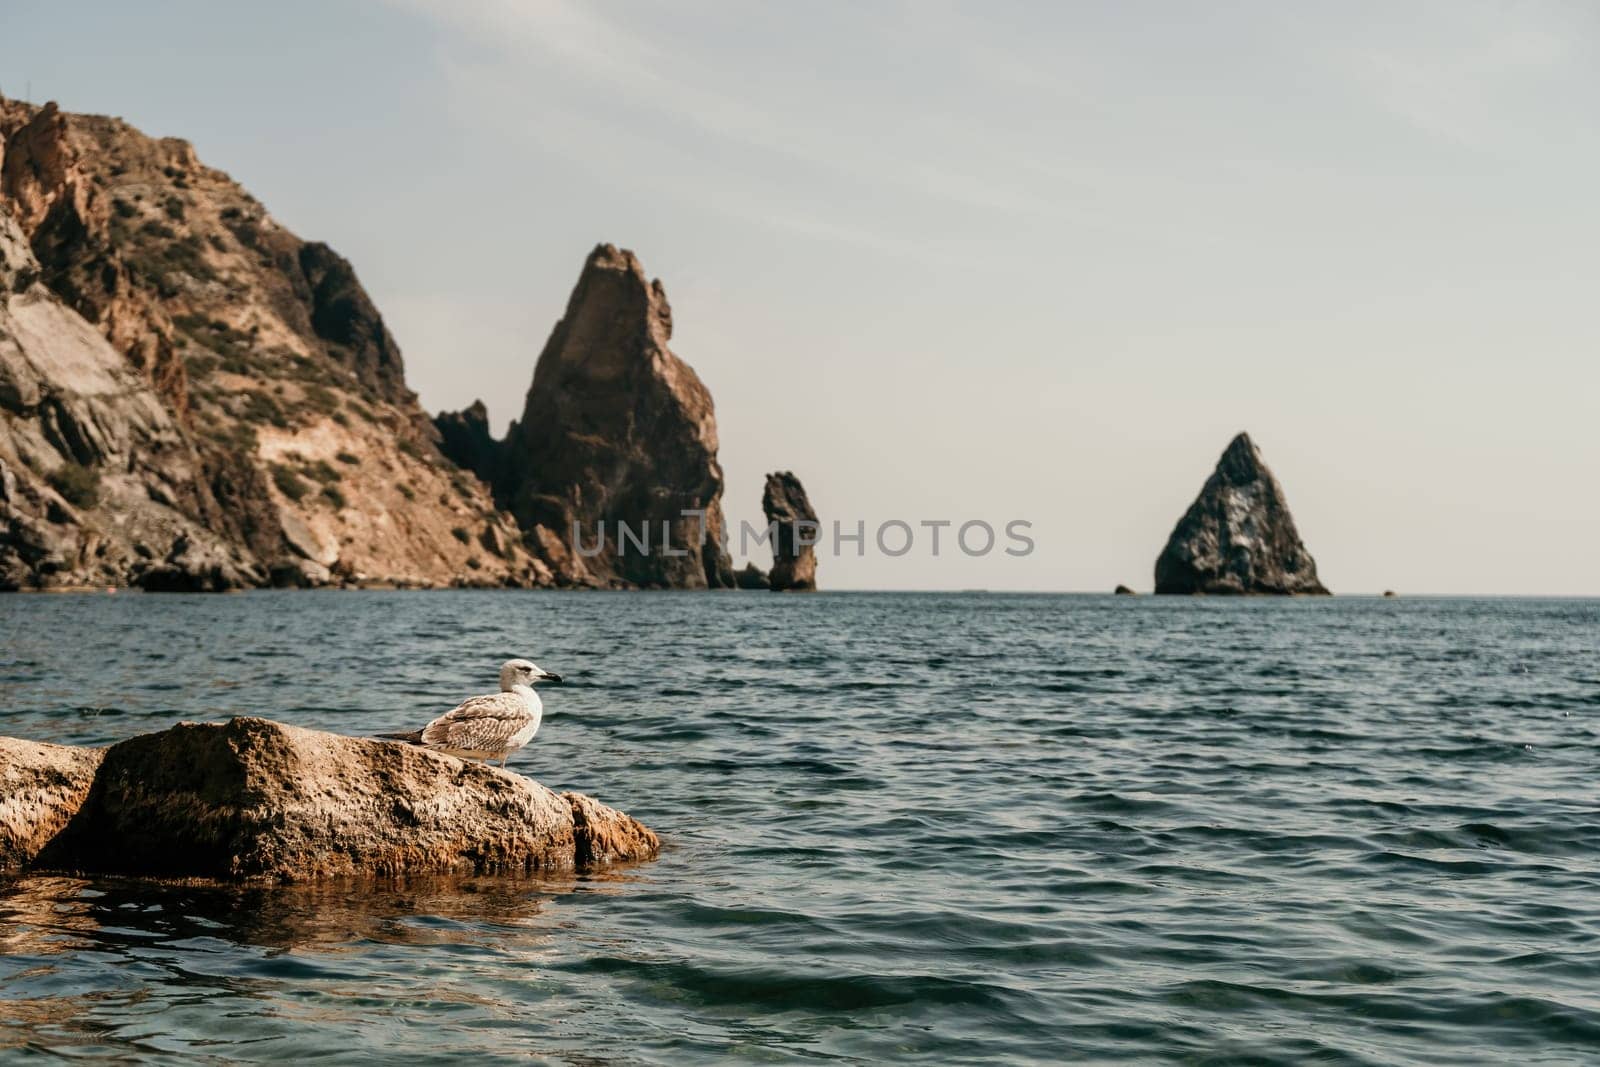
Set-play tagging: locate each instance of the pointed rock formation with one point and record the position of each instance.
(464, 436)
(615, 430)
(794, 560)
(1238, 537)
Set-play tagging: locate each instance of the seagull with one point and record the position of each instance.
(491, 726)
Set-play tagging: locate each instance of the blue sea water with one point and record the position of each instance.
(938, 828)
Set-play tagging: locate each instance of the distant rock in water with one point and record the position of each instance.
(1238, 537)
(255, 799)
(751, 577)
(1390, 593)
(794, 562)
(616, 429)
(1123, 590)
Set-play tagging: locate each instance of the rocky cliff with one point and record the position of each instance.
(789, 511)
(1238, 536)
(612, 469)
(193, 397)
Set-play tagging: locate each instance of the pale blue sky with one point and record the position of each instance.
(971, 261)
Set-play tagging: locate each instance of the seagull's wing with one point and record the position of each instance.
(482, 724)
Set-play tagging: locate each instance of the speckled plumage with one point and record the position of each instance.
(492, 726)
(487, 727)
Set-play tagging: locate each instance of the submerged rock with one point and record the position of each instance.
(41, 788)
(255, 799)
(794, 560)
(1238, 536)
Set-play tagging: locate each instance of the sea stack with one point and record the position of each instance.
(788, 509)
(1238, 537)
(616, 432)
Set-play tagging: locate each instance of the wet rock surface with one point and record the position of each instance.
(41, 788)
(256, 799)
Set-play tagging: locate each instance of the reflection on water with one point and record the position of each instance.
(281, 956)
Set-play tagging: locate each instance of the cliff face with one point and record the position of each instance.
(615, 429)
(98, 482)
(1238, 536)
(189, 353)
(794, 560)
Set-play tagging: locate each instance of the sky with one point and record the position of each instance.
(970, 262)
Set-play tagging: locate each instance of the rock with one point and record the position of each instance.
(128, 266)
(1238, 537)
(1123, 590)
(616, 429)
(344, 316)
(1390, 593)
(794, 560)
(41, 789)
(308, 544)
(97, 467)
(751, 577)
(604, 835)
(299, 574)
(199, 566)
(255, 799)
(464, 437)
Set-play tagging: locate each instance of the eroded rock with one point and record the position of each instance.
(615, 429)
(256, 799)
(221, 375)
(41, 788)
(794, 560)
(1238, 536)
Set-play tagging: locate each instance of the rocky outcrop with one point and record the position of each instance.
(254, 799)
(1123, 590)
(256, 387)
(465, 437)
(345, 319)
(751, 577)
(612, 469)
(99, 484)
(794, 522)
(41, 788)
(1238, 537)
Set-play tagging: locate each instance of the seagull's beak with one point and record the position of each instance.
(548, 677)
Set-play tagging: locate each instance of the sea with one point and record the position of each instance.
(936, 828)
